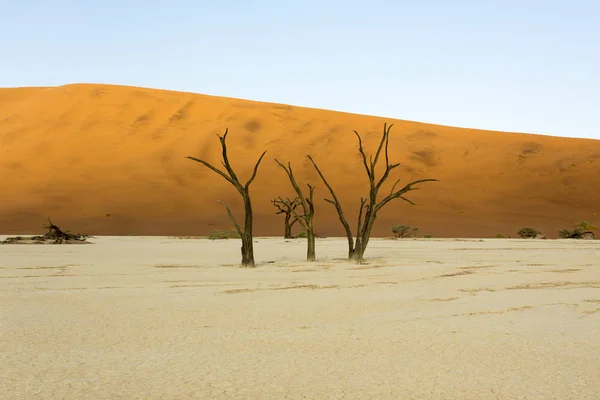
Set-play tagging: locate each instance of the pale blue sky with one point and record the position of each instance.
(513, 65)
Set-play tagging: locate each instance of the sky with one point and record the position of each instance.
(513, 65)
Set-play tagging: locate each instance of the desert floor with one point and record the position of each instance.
(168, 318)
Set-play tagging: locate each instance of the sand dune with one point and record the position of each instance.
(161, 318)
(107, 159)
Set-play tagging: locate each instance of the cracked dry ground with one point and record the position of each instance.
(168, 318)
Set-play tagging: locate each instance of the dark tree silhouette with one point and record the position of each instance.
(230, 176)
(308, 210)
(287, 207)
(369, 206)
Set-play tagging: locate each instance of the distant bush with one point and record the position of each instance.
(499, 236)
(577, 233)
(584, 225)
(427, 236)
(231, 234)
(404, 231)
(300, 235)
(528, 233)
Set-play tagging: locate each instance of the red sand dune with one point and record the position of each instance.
(105, 159)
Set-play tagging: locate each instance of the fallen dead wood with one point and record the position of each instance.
(54, 236)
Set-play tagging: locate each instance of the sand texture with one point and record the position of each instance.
(165, 318)
(104, 159)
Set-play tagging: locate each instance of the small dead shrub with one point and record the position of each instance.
(230, 234)
(528, 233)
(404, 231)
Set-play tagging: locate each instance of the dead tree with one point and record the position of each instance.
(308, 210)
(287, 207)
(54, 235)
(369, 206)
(230, 176)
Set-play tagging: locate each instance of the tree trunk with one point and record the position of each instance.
(288, 227)
(247, 251)
(351, 251)
(359, 249)
(358, 254)
(367, 235)
(247, 242)
(310, 242)
(310, 251)
(363, 236)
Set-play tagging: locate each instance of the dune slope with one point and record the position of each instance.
(105, 159)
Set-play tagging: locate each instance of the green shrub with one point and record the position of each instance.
(585, 226)
(528, 233)
(577, 233)
(301, 235)
(231, 234)
(499, 236)
(427, 236)
(404, 231)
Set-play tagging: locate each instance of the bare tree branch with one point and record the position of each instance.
(394, 186)
(282, 205)
(388, 167)
(300, 218)
(255, 170)
(387, 158)
(226, 159)
(309, 199)
(218, 171)
(335, 198)
(338, 207)
(281, 210)
(407, 200)
(278, 202)
(362, 153)
(386, 174)
(384, 140)
(398, 194)
(290, 173)
(232, 217)
(287, 208)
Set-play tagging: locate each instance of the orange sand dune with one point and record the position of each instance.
(105, 159)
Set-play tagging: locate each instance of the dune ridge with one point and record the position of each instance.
(106, 159)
